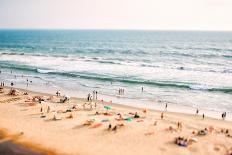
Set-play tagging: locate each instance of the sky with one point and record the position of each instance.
(117, 14)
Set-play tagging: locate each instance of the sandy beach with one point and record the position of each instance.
(75, 128)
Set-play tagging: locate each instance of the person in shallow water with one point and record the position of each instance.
(223, 115)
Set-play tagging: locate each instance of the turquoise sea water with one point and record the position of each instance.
(192, 69)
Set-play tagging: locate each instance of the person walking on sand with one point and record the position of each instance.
(203, 116)
(88, 97)
(166, 107)
(96, 95)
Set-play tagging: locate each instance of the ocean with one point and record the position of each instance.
(191, 69)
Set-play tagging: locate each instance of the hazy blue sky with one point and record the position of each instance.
(117, 14)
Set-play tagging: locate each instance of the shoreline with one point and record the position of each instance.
(156, 103)
(175, 109)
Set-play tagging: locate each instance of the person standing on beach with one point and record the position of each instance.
(96, 95)
(166, 107)
(162, 115)
(197, 111)
(142, 88)
(203, 116)
(89, 97)
(223, 115)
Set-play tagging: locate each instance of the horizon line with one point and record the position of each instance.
(118, 29)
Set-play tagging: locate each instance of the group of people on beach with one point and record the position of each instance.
(94, 95)
(58, 93)
(121, 91)
(2, 84)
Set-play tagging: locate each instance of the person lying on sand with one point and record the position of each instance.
(202, 132)
(155, 123)
(70, 116)
(170, 128)
(115, 128)
(120, 117)
(182, 141)
(136, 115)
(89, 122)
(162, 115)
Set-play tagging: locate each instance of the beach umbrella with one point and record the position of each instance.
(107, 108)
